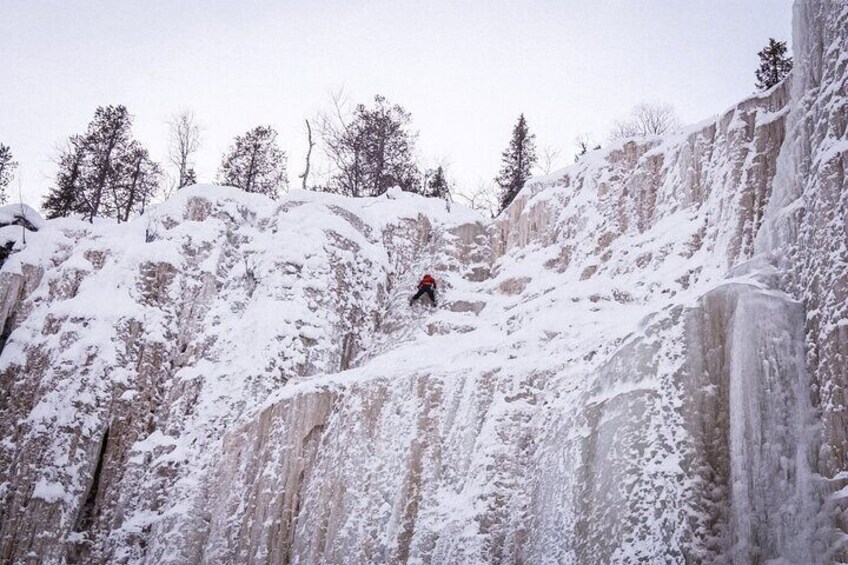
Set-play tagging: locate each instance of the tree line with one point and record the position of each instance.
(106, 172)
(368, 148)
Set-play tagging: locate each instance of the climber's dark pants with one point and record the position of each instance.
(430, 292)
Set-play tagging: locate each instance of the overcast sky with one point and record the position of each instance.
(465, 70)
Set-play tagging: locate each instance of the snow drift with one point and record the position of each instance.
(641, 360)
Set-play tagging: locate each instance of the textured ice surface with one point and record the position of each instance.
(641, 360)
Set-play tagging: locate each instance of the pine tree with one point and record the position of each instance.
(7, 169)
(107, 138)
(139, 179)
(774, 64)
(103, 172)
(373, 152)
(63, 199)
(437, 184)
(517, 160)
(255, 163)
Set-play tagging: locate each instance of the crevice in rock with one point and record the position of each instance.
(5, 251)
(348, 352)
(88, 512)
(16, 289)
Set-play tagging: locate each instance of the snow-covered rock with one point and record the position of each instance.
(20, 215)
(15, 221)
(641, 360)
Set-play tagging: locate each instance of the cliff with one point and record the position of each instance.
(642, 359)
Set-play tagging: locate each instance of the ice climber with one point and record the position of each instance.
(428, 285)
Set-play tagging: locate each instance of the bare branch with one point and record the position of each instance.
(648, 119)
(483, 198)
(584, 144)
(184, 142)
(548, 159)
(305, 174)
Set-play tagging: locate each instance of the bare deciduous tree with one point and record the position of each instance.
(647, 119)
(305, 174)
(548, 159)
(483, 198)
(332, 126)
(184, 142)
(584, 145)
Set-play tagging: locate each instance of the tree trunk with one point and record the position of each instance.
(248, 181)
(305, 175)
(133, 190)
(103, 173)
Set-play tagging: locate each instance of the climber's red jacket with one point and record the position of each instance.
(427, 281)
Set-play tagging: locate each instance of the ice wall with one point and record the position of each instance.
(584, 413)
(641, 360)
(133, 348)
(808, 228)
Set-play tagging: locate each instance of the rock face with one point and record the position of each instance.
(642, 360)
(808, 231)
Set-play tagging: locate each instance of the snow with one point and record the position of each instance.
(11, 213)
(15, 222)
(49, 491)
(616, 373)
(290, 251)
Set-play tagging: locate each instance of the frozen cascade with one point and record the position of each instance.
(807, 227)
(771, 431)
(620, 370)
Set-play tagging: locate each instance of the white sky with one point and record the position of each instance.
(465, 70)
